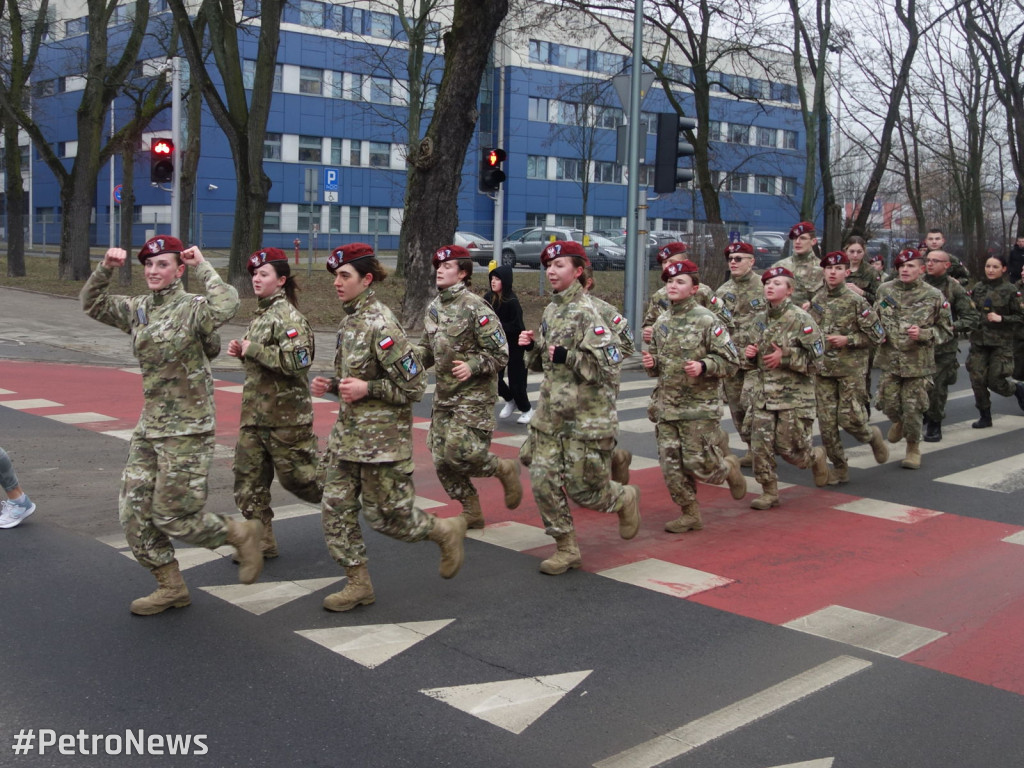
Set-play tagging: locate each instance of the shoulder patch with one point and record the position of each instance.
(618, 318)
(718, 330)
(613, 354)
(866, 312)
(408, 365)
(291, 333)
(945, 305)
(433, 312)
(483, 320)
(808, 329)
(386, 343)
(600, 330)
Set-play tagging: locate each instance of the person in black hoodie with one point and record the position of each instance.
(510, 313)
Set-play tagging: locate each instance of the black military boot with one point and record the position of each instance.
(1018, 392)
(985, 420)
(932, 430)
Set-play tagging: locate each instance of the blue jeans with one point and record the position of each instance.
(8, 479)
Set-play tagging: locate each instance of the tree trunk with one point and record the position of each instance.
(127, 208)
(14, 192)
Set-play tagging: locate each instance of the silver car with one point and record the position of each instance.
(525, 249)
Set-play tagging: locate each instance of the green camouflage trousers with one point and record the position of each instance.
(561, 466)
(786, 433)
(946, 366)
(690, 451)
(290, 452)
(904, 400)
(989, 369)
(840, 401)
(739, 403)
(163, 492)
(460, 453)
(388, 504)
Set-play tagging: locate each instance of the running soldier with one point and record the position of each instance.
(851, 329)
(863, 278)
(659, 301)
(689, 352)
(464, 343)
(803, 263)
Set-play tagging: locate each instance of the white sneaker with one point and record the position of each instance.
(526, 416)
(507, 409)
(12, 513)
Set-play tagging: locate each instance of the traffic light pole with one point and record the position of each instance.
(634, 290)
(499, 196)
(176, 139)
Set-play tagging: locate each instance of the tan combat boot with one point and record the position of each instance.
(269, 542)
(629, 512)
(448, 533)
(508, 474)
(837, 475)
(769, 496)
(246, 536)
(172, 592)
(689, 520)
(567, 555)
(621, 459)
(895, 433)
(472, 512)
(748, 460)
(878, 446)
(820, 466)
(737, 482)
(913, 459)
(358, 591)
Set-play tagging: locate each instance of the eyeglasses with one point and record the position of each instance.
(737, 259)
(936, 261)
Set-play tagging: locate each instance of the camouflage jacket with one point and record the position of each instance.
(688, 332)
(373, 347)
(167, 327)
(461, 326)
(807, 273)
(577, 397)
(281, 349)
(841, 312)
(791, 385)
(744, 298)
(618, 324)
(867, 278)
(965, 316)
(1003, 298)
(901, 305)
(705, 297)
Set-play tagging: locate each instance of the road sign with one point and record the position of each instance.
(330, 197)
(330, 179)
(117, 194)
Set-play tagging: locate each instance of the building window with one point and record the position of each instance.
(538, 110)
(606, 173)
(249, 74)
(767, 137)
(648, 122)
(310, 149)
(272, 218)
(123, 14)
(789, 186)
(536, 167)
(311, 81)
(608, 117)
(569, 220)
(272, 146)
(738, 134)
(380, 155)
(75, 27)
(536, 219)
(311, 14)
(571, 57)
(540, 52)
(568, 169)
(765, 185)
(355, 152)
(789, 140)
(566, 112)
(308, 215)
(336, 151)
(353, 219)
(378, 220)
(334, 218)
(646, 176)
(607, 222)
(714, 130)
(609, 63)
(380, 25)
(736, 182)
(380, 90)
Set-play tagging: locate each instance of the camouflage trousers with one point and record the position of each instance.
(840, 402)
(739, 403)
(946, 365)
(989, 368)
(163, 492)
(690, 451)
(786, 433)
(1018, 355)
(562, 467)
(290, 452)
(904, 400)
(460, 452)
(387, 497)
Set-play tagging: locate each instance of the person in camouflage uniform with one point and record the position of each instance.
(965, 319)
(570, 441)
(275, 433)
(743, 297)
(164, 485)
(916, 318)
(935, 240)
(787, 351)
(990, 361)
(369, 453)
(877, 263)
(464, 343)
(689, 352)
(863, 278)
(1018, 337)
(851, 329)
(803, 263)
(659, 302)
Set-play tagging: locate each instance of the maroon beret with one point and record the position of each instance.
(265, 256)
(775, 272)
(448, 253)
(671, 249)
(739, 247)
(803, 228)
(563, 248)
(346, 254)
(834, 259)
(684, 267)
(907, 254)
(159, 245)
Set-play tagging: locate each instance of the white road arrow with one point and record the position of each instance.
(373, 644)
(267, 595)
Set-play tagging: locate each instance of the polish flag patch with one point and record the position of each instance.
(599, 330)
(808, 329)
(291, 333)
(386, 343)
(484, 320)
(866, 312)
(718, 330)
(618, 318)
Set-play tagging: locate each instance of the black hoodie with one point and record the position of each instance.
(506, 305)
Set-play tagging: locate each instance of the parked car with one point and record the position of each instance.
(524, 249)
(766, 250)
(653, 246)
(480, 248)
(608, 254)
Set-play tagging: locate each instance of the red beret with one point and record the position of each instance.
(448, 253)
(671, 249)
(834, 259)
(803, 228)
(684, 267)
(874, 257)
(907, 254)
(739, 247)
(563, 248)
(346, 254)
(159, 245)
(775, 272)
(265, 256)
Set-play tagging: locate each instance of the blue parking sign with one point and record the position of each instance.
(331, 179)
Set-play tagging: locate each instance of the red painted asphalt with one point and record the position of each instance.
(947, 572)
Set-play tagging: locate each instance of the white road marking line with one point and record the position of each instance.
(24, 405)
(887, 510)
(512, 535)
(1016, 538)
(667, 578)
(86, 417)
(1003, 476)
(865, 630)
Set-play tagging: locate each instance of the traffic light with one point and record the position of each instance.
(672, 145)
(491, 174)
(161, 161)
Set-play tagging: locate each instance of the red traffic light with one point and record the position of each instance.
(495, 157)
(163, 147)
(161, 161)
